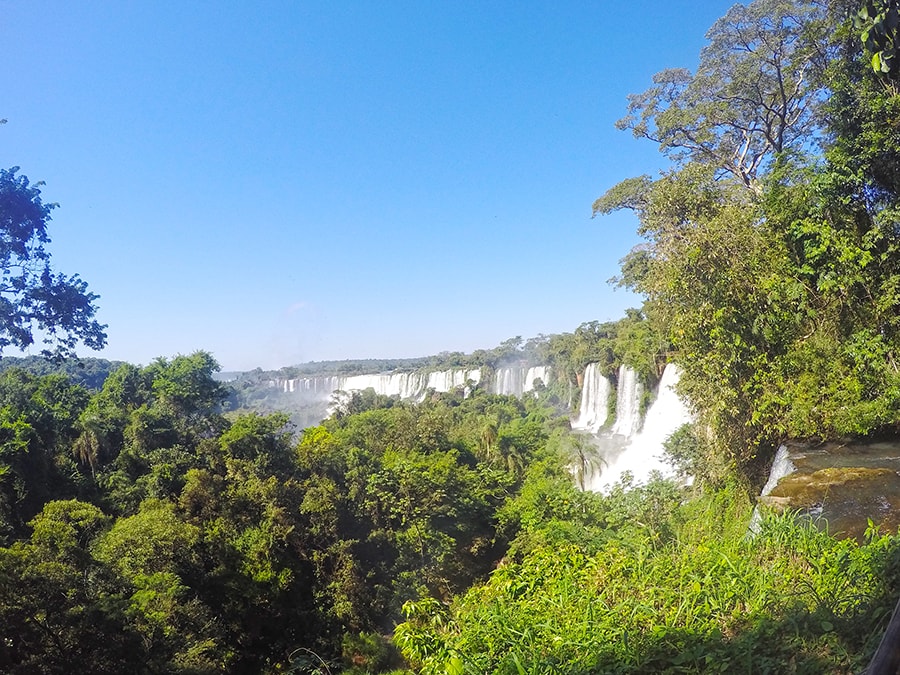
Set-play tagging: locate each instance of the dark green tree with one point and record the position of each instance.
(33, 298)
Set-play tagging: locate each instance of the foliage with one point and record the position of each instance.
(778, 301)
(33, 297)
(754, 94)
(213, 545)
(90, 373)
(705, 599)
(144, 531)
(878, 21)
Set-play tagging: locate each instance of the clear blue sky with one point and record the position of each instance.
(283, 181)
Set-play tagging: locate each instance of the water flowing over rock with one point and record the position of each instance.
(781, 466)
(840, 486)
(447, 380)
(405, 385)
(628, 403)
(312, 387)
(633, 445)
(594, 408)
(518, 380)
(309, 399)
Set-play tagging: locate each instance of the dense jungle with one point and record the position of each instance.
(155, 519)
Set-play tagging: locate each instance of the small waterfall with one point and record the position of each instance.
(628, 402)
(781, 466)
(594, 408)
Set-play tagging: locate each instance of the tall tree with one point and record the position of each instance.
(780, 300)
(754, 94)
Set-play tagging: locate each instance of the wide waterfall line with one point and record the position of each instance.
(404, 385)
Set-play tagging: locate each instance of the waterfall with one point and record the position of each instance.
(781, 466)
(534, 373)
(630, 445)
(628, 402)
(593, 411)
(447, 380)
(518, 380)
(403, 385)
(508, 381)
(643, 453)
(314, 393)
(311, 387)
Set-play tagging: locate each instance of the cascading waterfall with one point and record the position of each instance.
(594, 408)
(446, 380)
(628, 402)
(518, 380)
(781, 466)
(404, 385)
(643, 453)
(311, 387)
(534, 374)
(630, 446)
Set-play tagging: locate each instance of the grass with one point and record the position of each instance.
(692, 594)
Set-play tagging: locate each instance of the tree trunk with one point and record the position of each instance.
(887, 657)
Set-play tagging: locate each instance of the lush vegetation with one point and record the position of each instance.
(652, 584)
(771, 263)
(90, 373)
(35, 301)
(143, 530)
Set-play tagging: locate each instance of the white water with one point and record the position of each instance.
(632, 445)
(643, 453)
(315, 387)
(781, 466)
(518, 380)
(404, 385)
(628, 402)
(446, 380)
(594, 408)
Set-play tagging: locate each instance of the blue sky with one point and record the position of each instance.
(286, 181)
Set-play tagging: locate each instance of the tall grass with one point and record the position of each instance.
(691, 594)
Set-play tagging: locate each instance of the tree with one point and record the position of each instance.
(32, 297)
(879, 21)
(754, 94)
(780, 302)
